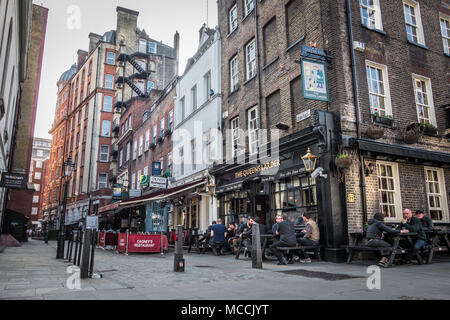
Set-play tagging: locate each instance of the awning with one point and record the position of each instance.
(110, 207)
(404, 151)
(160, 195)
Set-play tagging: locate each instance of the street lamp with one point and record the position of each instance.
(68, 167)
(310, 161)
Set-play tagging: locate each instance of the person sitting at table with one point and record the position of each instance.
(218, 236)
(209, 239)
(311, 237)
(244, 232)
(286, 231)
(231, 235)
(413, 224)
(426, 221)
(375, 235)
(242, 221)
(278, 219)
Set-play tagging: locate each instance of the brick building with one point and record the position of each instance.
(363, 66)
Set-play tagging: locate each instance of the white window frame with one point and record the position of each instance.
(397, 191)
(445, 34)
(235, 137)
(377, 21)
(152, 47)
(128, 153)
(418, 24)
(146, 171)
(182, 109)
(387, 93)
(133, 182)
(35, 199)
(37, 187)
(104, 122)
(147, 140)
(109, 105)
(134, 150)
(194, 104)
(150, 85)
(194, 154)
(429, 93)
(162, 127)
(141, 146)
(109, 83)
(208, 88)
(233, 18)
(250, 59)
(442, 194)
(39, 164)
(249, 6)
(105, 183)
(253, 130)
(34, 211)
(142, 46)
(234, 73)
(121, 157)
(37, 176)
(102, 154)
(111, 58)
(138, 185)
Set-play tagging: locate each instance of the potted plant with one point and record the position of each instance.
(153, 146)
(343, 161)
(428, 129)
(386, 120)
(375, 132)
(412, 133)
(168, 132)
(160, 140)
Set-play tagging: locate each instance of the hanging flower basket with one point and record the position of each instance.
(412, 133)
(343, 162)
(375, 132)
(168, 133)
(429, 130)
(153, 146)
(160, 140)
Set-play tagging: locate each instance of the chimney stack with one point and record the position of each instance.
(176, 46)
(93, 40)
(82, 55)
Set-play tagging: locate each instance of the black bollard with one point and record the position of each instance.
(179, 262)
(86, 254)
(256, 248)
(94, 243)
(76, 239)
(80, 247)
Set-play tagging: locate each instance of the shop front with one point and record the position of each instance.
(283, 184)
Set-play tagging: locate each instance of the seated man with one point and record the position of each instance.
(245, 234)
(376, 237)
(311, 237)
(413, 224)
(231, 235)
(218, 236)
(209, 239)
(286, 231)
(426, 221)
(278, 219)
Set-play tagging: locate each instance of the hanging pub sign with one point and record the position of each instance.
(315, 80)
(156, 169)
(117, 195)
(14, 181)
(144, 181)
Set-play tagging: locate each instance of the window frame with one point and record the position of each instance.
(444, 17)
(235, 136)
(105, 97)
(247, 11)
(386, 87)
(378, 19)
(101, 153)
(107, 75)
(397, 190)
(108, 58)
(419, 26)
(234, 73)
(442, 194)
(105, 182)
(232, 19)
(103, 128)
(250, 64)
(427, 81)
(251, 142)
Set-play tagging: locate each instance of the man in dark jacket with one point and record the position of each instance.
(288, 238)
(413, 224)
(426, 221)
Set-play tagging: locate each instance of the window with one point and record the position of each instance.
(389, 190)
(294, 23)
(111, 58)
(36, 199)
(104, 153)
(134, 150)
(183, 109)
(170, 120)
(109, 81)
(250, 59)
(34, 211)
(84, 134)
(142, 45)
(295, 194)
(169, 163)
(253, 128)
(128, 151)
(234, 74)
(106, 128)
(270, 41)
(146, 171)
(233, 18)
(37, 187)
(424, 100)
(39, 164)
(83, 156)
(162, 127)
(107, 103)
(445, 30)
(139, 174)
(102, 181)
(181, 161)
(147, 140)
(133, 181)
(37, 176)
(249, 5)
(379, 95)
(194, 98)
(152, 47)
(436, 194)
(155, 131)
(150, 86)
(208, 91)
(235, 136)
(141, 145)
(371, 14)
(121, 157)
(413, 21)
(193, 155)
(40, 153)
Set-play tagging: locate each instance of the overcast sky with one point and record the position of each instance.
(159, 18)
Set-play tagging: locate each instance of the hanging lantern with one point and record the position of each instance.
(310, 161)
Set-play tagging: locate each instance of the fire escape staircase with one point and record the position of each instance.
(140, 74)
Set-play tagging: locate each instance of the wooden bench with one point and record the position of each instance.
(384, 251)
(316, 250)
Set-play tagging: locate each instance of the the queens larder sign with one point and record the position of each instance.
(14, 181)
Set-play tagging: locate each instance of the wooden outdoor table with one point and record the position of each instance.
(436, 235)
(395, 248)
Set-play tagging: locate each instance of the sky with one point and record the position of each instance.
(66, 34)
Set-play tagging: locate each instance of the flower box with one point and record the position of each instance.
(160, 140)
(383, 120)
(429, 130)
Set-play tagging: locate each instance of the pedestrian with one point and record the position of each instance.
(218, 236)
(311, 237)
(413, 224)
(426, 221)
(286, 231)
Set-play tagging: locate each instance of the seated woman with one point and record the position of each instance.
(375, 235)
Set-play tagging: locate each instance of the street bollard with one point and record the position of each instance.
(256, 248)
(80, 247)
(86, 253)
(179, 262)
(77, 233)
(93, 246)
(70, 247)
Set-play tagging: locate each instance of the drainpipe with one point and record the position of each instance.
(357, 109)
(258, 63)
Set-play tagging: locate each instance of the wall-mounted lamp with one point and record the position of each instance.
(369, 169)
(310, 161)
(282, 126)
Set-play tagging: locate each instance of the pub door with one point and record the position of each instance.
(260, 207)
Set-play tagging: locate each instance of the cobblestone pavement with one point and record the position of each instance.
(32, 272)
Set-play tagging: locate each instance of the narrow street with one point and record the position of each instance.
(32, 273)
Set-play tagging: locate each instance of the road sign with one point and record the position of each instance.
(92, 222)
(158, 182)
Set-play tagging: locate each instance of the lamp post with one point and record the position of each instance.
(68, 167)
(310, 161)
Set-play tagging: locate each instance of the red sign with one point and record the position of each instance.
(142, 243)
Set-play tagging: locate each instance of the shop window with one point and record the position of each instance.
(389, 190)
(436, 194)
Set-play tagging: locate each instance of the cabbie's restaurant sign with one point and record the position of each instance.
(258, 169)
